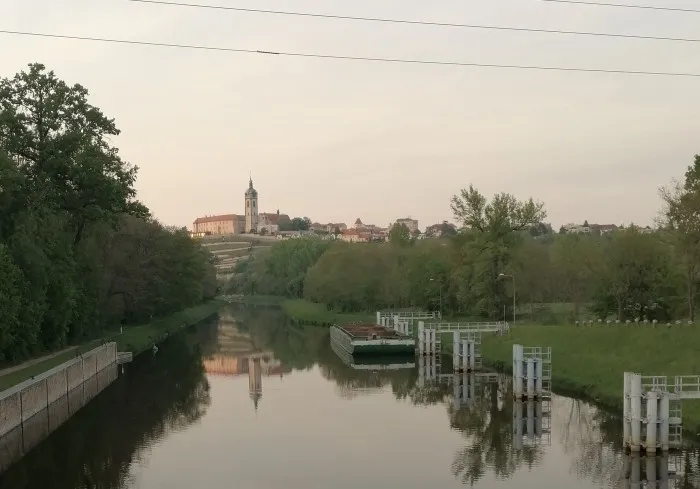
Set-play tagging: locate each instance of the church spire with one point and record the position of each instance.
(250, 180)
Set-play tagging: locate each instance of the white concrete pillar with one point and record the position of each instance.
(636, 412)
(652, 402)
(466, 355)
(472, 355)
(664, 414)
(456, 351)
(531, 419)
(538, 419)
(472, 387)
(421, 338)
(431, 341)
(379, 317)
(456, 391)
(530, 378)
(538, 376)
(626, 412)
(421, 371)
(517, 371)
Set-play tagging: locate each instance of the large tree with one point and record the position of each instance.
(493, 230)
(61, 143)
(681, 220)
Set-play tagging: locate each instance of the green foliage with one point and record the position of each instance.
(78, 253)
(503, 248)
(399, 235)
(280, 270)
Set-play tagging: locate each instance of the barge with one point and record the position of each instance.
(371, 339)
(374, 363)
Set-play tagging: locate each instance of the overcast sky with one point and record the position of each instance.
(336, 140)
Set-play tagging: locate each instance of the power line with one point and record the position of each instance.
(623, 5)
(348, 58)
(413, 22)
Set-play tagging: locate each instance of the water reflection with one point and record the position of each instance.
(308, 418)
(502, 436)
(97, 447)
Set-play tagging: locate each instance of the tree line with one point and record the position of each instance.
(503, 247)
(79, 254)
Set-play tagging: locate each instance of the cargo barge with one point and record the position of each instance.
(371, 339)
(374, 363)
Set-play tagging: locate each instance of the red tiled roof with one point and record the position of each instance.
(222, 217)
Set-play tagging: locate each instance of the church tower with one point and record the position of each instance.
(251, 208)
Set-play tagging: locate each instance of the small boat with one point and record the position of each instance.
(371, 339)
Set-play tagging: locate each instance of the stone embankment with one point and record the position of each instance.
(31, 410)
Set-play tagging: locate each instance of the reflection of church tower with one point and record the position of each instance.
(255, 381)
(251, 208)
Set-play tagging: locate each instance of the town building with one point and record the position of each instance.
(250, 222)
(411, 224)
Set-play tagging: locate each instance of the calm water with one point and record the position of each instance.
(249, 402)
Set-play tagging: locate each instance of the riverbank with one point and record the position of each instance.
(590, 361)
(301, 311)
(135, 339)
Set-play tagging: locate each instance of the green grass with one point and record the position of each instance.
(137, 339)
(258, 300)
(14, 378)
(590, 361)
(306, 312)
(134, 338)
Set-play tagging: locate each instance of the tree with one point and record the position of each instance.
(300, 224)
(681, 218)
(399, 235)
(635, 277)
(78, 253)
(575, 260)
(492, 230)
(59, 137)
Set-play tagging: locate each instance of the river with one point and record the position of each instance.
(248, 401)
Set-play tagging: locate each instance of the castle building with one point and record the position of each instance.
(252, 221)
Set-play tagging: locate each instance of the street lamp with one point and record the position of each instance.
(503, 275)
(433, 280)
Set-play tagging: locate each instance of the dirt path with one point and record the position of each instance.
(33, 361)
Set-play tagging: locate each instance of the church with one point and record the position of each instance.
(252, 222)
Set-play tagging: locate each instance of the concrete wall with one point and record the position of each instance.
(24, 401)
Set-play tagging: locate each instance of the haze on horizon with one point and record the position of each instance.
(336, 140)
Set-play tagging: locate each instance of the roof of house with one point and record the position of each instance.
(272, 217)
(219, 218)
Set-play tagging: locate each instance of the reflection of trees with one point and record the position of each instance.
(592, 437)
(488, 425)
(95, 448)
(294, 346)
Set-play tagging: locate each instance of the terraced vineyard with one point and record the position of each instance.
(231, 249)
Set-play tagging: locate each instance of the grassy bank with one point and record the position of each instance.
(137, 339)
(257, 300)
(20, 375)
(134, 338)
(590, 361)
(304, 312)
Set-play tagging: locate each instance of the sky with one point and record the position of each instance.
(336, 140)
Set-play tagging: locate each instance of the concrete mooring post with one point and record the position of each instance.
(518, 371)
(421, 338)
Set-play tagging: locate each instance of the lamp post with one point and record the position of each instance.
(433, 280)
(503, 275)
